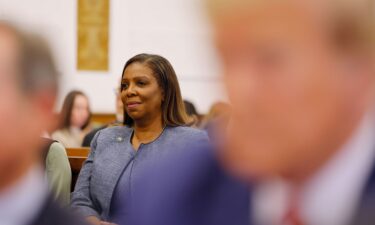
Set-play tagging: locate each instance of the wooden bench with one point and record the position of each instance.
(84, 152)
(103, 118)
(76, 156)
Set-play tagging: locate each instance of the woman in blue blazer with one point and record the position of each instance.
(156, 123)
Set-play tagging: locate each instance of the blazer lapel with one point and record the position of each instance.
(121, 155)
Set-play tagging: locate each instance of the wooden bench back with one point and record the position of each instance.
(76, 156)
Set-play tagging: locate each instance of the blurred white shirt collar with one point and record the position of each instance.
(332, 195)
(21, 203)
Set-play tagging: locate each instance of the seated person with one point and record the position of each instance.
(119, 121)
(156, 125)
(75, 118)
(58, 171)
(192, 112)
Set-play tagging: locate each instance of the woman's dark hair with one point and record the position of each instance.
(67, 108)
(173, 110)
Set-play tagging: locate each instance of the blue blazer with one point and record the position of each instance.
(204, 194)
(111, 153)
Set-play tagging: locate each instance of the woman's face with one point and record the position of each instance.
(80, 111)
(140, 93)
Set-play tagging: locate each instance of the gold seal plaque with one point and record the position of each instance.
(92, 47)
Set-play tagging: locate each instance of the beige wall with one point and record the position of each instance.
(176, 29)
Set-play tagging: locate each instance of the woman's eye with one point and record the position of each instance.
(124, 86)
(141, 83)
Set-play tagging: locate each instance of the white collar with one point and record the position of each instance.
(20, 203)
(332, 195)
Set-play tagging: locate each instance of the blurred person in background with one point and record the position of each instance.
(57, 169)
(155, 125)
(218, 110)
(301, 81)
(217, 119)
(192, 112)
(75, 120)
(28, 93)
(118, 122)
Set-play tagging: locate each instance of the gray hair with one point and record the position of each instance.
(36, 68)
(351, 23)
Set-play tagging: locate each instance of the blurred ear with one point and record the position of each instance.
(359, 78)
(44, 104)
(359, 69)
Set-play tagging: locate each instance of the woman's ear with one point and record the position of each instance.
(357, 76)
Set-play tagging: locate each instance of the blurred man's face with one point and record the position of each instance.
(9, 95)
(21, 116)
(295, 98)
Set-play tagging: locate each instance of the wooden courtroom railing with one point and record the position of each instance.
(77, 157)
(103, 118)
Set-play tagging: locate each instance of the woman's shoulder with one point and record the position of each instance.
(115, 132)
(61, 135)
(57, 147)
(110, 135)
(185, 131)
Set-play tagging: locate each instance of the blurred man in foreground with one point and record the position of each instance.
(301, 80)
(27, 96)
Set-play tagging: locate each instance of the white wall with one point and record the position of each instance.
(176, 29)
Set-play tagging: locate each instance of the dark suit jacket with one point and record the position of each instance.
(52, 214)
(197, 191)
(90, 136)
(365, 214)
